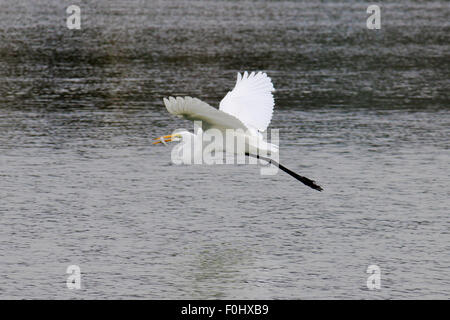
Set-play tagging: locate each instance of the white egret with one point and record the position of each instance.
(246, 109)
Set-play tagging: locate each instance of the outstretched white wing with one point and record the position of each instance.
(197, 110)
(251, 100)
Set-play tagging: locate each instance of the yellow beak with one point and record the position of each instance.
(164, 139)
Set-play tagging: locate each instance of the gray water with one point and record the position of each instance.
(363, 112)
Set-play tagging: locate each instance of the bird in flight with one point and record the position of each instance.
(246, 109)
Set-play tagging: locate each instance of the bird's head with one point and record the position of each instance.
(179, 136)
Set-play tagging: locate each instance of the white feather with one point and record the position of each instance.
(196, 110)
(251, 100)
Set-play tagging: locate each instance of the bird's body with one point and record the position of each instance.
(244, 113)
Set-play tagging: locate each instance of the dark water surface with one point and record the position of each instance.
(364, 112)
